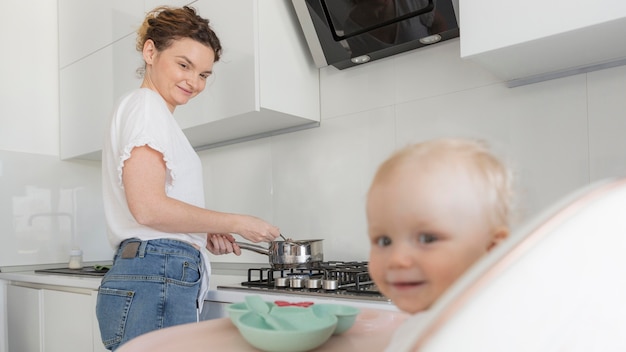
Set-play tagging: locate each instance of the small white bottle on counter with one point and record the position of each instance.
(76, 259)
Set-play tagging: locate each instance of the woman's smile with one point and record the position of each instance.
(186, 91)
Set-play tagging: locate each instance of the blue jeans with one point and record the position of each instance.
(151, 285)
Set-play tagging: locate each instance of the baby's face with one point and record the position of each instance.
(425, 228)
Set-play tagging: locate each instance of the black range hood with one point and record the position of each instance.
(345, 33)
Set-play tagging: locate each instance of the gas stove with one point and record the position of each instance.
(336, 279)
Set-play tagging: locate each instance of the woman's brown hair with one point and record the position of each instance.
(165, 24)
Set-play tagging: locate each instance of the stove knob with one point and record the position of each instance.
(329, 284)
(296, 282)
(313, 283)
(282, 282)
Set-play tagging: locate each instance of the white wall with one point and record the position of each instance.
(32, 179)
(557, 135)
(44, 203)
(29, 94)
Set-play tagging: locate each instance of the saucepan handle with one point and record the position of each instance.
(253, 247)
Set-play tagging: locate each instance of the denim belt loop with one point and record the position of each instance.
(142, 249)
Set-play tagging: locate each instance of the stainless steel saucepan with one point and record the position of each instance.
(290, 253)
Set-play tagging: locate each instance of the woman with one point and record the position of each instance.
(153, 189)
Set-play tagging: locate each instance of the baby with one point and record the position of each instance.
(433, 209)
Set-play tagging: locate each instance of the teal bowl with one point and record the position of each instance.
(346, 315)
(304, 334)
(236, 310)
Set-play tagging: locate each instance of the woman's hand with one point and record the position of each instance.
(218, 243)
(256, 230)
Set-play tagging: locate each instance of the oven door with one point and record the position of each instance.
(218, 299)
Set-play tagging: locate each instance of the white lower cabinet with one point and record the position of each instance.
(52, 319)
(67, 321)
(23, 319)
(97, 341)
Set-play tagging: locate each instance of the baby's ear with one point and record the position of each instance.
(499, 235)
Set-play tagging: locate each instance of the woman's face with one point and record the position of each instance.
(426, 227)
(179, 72)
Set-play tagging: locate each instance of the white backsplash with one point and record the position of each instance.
(47, 206)
(558, 135)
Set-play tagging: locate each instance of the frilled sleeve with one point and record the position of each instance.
(145, 121)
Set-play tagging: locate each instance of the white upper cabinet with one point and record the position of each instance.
(88, 90)
(527, 41)
(86, 26)
(264, 83)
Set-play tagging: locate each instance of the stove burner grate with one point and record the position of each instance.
(351, 278)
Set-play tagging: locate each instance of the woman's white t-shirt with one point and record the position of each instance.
(142, 118)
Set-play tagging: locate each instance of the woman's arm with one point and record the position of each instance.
(144, 177)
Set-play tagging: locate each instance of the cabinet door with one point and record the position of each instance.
(535, 38)
(233, 88)
(262, 85)
(88, 91)
(151, 4)
(98, 74)
(97, 340)
(67, 321)
(23, 311)
(86, 26)
(249, 96)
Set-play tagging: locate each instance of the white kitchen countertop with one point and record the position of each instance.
(224, 295)
(227, 295)
(31, 277)
(27, 274)
(373, 330)
(88, 282)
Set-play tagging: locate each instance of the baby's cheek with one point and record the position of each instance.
(376, 268)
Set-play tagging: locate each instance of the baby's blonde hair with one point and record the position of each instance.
(490, 175)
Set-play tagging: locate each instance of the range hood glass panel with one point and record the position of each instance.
(378, 28)
(382, 18)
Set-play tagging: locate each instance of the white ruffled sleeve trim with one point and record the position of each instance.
(140, 142)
